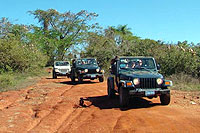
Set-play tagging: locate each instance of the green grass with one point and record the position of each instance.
(14, 81)
(185, 82)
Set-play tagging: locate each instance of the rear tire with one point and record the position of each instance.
(80, 79)
(165, 99)
(110, 88)
(123, 97)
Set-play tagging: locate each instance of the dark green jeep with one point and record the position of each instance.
(86, 68)
(137, 77)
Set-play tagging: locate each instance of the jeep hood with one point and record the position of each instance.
(62, 67)
(141, 74)
(87, 67)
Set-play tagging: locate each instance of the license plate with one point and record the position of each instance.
(93, 76)
(149, 93)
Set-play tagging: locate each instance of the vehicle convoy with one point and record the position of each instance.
(86, 68)
(61, 68)
(137, 77)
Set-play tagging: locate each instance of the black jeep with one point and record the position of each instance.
(137, 77)
(86, 68)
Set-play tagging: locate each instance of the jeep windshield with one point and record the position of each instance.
(86, 62)
(61, 63)
(137, 64)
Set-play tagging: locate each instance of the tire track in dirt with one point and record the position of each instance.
(53, 107)
(45, 121)
(32, 108)
(51, 122)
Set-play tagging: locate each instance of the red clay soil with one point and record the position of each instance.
(52, 105)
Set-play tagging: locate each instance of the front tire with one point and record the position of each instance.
(72, 78)
(165, 99)
(101, 79)
(123, 97)
(54, 75)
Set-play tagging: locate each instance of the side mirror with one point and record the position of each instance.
(158, 67)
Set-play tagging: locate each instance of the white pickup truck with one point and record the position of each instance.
(61, 68)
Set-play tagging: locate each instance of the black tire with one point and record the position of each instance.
(110, 88)
(123, 97)
(165, 99)
(80, 79)
(54, 75)
(72, 78)
(101, 79)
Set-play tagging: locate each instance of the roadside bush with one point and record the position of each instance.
(16, 56)
(6, 80)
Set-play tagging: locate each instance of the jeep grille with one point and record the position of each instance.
(64, 70)
(148, 83)
(91, 71)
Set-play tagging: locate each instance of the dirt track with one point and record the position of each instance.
(52, 105)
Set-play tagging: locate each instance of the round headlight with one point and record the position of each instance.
(159, 81)
(136, 81)
(97, 70)
(86, 70)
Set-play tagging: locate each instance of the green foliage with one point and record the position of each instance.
(16, 52)
(17, 57)
(60, 31)
(173, 58)
(101, 48)
(6, 80)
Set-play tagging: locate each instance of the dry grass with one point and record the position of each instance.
(185, 82)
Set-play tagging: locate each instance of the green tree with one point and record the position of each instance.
(66, 29)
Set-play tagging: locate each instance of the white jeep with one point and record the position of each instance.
(61, 68)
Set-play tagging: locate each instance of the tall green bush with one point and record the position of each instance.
(16, 56)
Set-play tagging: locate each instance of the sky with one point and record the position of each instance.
(166, 20)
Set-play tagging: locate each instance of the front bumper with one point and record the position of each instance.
(62, 73)
(148, 92)
(92, 76)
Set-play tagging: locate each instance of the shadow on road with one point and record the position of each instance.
(58, 78)
(76, 82)
(103, 102)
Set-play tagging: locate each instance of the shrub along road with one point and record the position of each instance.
(52, 105)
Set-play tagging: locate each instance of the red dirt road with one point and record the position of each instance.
(52, 105)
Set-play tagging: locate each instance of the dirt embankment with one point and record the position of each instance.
(52, 105)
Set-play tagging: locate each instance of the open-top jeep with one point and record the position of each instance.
(86, 68)
(61, 68)
(137, 77)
